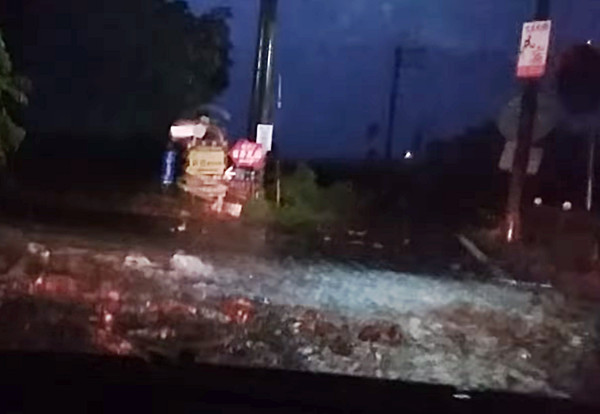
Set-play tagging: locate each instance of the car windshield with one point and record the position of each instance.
(392, 189)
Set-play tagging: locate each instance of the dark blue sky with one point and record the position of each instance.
(335, 58)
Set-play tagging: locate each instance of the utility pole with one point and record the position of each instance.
(529, 106)
(262, 100)
(590, 171)
(389, 153)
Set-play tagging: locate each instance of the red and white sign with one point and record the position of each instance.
(533, 53)
(247, 154)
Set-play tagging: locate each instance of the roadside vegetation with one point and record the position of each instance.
(12, 95)
(305, 204)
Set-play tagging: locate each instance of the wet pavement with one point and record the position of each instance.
(171, 299)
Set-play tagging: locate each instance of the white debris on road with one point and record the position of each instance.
(358, 290)
(473, 335)
(137, 261)
(184, 265)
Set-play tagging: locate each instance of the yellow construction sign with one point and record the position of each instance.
(205, 160)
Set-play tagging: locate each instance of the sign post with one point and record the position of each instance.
(533, 54)
(261, 104)
(590, 172)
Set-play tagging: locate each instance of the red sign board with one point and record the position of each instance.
(533, 53)
(247, 154)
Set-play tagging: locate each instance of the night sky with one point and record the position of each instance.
(335, 58)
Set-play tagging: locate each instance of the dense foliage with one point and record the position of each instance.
(11, 93)
(117, 67)
(305, 203)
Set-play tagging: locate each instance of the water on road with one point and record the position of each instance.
(64, 290)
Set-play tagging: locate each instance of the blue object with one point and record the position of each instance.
(167, 176)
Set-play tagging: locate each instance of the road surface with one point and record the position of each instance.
(415, 311)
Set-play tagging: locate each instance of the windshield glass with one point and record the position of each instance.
(391, 189)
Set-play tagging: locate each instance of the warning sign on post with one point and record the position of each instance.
(508, 158)
(264, 136)
(205, 161)
(533, 53)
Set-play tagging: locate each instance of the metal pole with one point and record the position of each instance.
(519, 170)
(262, 100)
(393, 100)
(524, 139)
(590, 179)
(278, 184)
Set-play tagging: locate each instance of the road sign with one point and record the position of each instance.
(182, 131)
(533, 53)
(264, 136)
(204, 160)
(508, 158)
(188, 129)
(247, 154)
(547, 116)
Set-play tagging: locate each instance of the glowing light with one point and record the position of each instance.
(39, 281)
(408, 155)
(511, 231)
(537, 201)
(462, 396)
(589, 42)
(108, 318)
(566, 206)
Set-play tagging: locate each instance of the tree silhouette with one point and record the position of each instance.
(12, 91)
(117, 67)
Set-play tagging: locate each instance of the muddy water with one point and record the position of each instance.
(72, 293)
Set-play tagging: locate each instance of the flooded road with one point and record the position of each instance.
(170, 298)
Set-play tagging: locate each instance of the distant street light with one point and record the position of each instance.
(408, 155)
